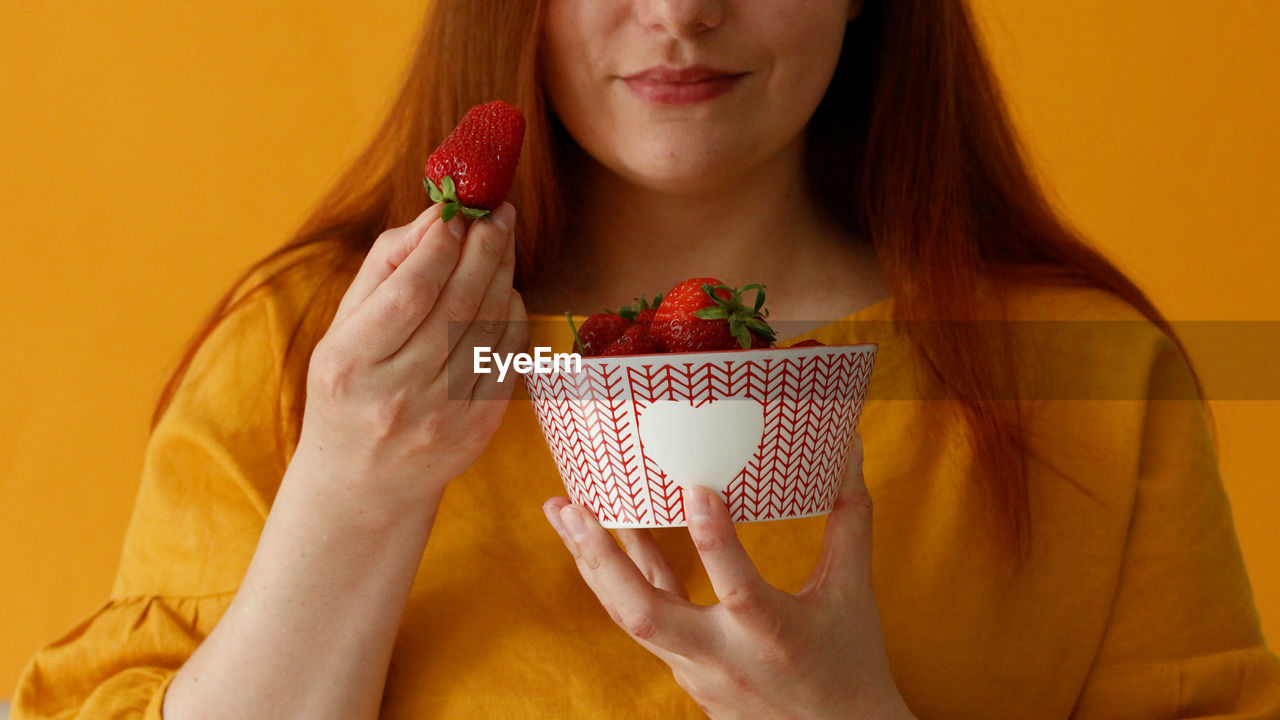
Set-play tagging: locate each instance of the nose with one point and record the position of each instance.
(682, 18)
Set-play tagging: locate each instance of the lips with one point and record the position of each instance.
(681, 86)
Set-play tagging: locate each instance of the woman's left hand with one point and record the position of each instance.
(759, 652)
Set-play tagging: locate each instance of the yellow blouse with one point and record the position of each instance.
(1134, 602)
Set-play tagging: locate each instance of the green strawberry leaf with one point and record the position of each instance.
(761, 328)
(449, 189)
(743, 336)
(432, 190)
(450, 209)
(474, 213)
(712, 313)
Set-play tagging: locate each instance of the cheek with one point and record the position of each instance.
(559, 47)
(574, 50)
(806, 49)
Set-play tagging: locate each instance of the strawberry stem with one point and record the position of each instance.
(577, 342)
(630, 312)
(447, 193)
(432, 191)
(742, 320)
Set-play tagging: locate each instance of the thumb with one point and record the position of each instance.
(844, 565)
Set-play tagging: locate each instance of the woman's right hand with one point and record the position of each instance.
(393, 413)
(394, 408)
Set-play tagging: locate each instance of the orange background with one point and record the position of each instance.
(150, 150)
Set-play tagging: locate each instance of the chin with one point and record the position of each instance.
(681, 170)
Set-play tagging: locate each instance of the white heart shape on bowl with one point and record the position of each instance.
(706, 445)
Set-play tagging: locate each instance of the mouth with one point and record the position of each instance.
(681, 86)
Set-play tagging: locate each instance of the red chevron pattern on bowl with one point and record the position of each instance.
(626, 432)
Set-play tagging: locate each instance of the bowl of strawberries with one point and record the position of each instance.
(687, 389)
(691, 389)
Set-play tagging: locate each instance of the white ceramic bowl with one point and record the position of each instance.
(768, 428)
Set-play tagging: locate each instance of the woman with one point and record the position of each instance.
(1032, 559)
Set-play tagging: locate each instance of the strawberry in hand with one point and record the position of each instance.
(472, 170)
(702, 314)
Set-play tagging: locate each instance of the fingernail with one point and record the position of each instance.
(696, 504)
(573, 523)
(456, 227)
(553, 517)
(504, 217)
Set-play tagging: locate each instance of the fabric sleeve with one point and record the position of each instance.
(119, 662)
(211, 468)
(1183, 639)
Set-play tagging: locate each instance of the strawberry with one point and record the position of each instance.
(635, 341)
(598, 332)
(705, 314)
(810, 342)
(641, 312)
(645, 317)
(472, 170)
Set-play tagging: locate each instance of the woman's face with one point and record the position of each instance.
(681, 95)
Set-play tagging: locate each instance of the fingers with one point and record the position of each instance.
(733, 576)
(515, 338)
(648, 557)
(661, 620)
(393, 312)
(491, 322)
(640, 547)
(844, 565)
(484, 251)
(388, 252)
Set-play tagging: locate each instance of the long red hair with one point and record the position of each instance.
(912, 148)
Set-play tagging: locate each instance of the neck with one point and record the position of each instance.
(626, 238)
